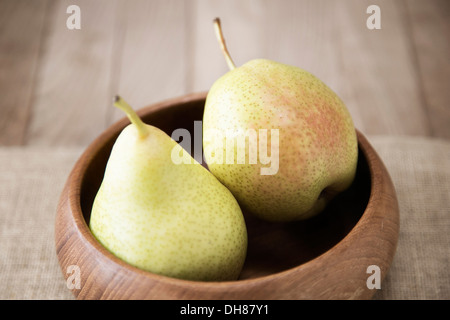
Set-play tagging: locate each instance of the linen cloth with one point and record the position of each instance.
(32, 178)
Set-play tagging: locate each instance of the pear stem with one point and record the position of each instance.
(223, 46)
(132, 115)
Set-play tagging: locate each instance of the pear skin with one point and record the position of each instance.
(316, 149)
(171, 219)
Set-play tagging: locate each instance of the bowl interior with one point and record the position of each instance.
(272, 247)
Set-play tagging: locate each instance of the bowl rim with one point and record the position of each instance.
(75, 182)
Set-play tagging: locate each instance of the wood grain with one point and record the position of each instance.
(380, 83)
(152, 64)
(21, 38)
(73, 82)
(310, 43)
(431, 45)
(243, 25)
(323, 258)
(57, 84)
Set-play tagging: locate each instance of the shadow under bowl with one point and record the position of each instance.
(325, 257)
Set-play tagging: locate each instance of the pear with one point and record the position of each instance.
(313, 138)
(171, 219)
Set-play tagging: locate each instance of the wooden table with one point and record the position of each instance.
(56, 84)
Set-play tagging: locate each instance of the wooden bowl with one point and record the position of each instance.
(326, 257)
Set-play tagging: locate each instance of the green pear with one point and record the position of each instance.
(171, 219)
(313, 142)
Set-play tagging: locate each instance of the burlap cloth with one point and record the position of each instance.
(31, 180)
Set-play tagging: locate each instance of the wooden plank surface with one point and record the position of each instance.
(152, 64)
(380, 82)
(243, 27)
(432, 49)
(57, 84)
(72, 89)
(21, 27)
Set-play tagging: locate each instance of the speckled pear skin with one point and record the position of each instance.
(318, 150)
(174, 220)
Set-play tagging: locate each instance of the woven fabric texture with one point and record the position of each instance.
(31, 180)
